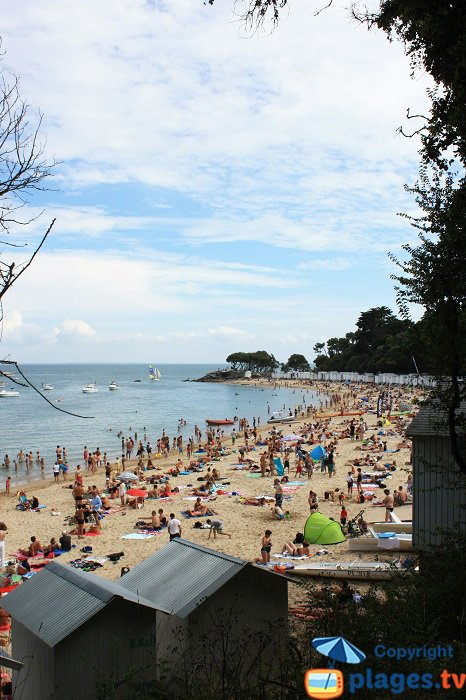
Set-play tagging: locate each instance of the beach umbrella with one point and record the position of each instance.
(338, 649)
(137, 492)
(317, 453)
(128, 476)
(291, 438)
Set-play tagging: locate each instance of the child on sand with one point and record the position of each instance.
(266, 547)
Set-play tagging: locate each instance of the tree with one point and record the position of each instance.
(259, 361)
(434, 276)
(296, 363)
(23, 169)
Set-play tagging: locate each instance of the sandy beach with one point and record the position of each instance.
(245, 523)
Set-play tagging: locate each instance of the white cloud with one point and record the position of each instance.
(75, 329)
(178, 97)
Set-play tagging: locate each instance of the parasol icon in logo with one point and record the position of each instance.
(325, 684)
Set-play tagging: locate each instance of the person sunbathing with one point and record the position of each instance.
(155, 521)
(33, 549)
(154, 493)
(166, 490)
(51, 547)
(199, 508)
(254, 500)
(298, 548)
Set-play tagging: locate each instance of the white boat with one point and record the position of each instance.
(399, 542)
(113, 386)
(90, 389)
(279, 417)
(403, 528)
(379, 570)
(154, 374)
(5, 394)
(47, 387)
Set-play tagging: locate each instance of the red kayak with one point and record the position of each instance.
(220, 421)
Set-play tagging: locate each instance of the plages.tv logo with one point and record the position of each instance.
(328, 683)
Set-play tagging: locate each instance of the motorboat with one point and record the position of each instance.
(90, 389)
(113, 386)
(8, 394)
(47, 387)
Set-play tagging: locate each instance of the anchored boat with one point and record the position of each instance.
(90, 389)
(154, 374)
(6, 394)
(219, 421)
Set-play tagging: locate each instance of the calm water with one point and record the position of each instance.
(29, 423)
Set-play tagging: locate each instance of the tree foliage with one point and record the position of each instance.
(296, 363)
(258, 362)
(381, 343)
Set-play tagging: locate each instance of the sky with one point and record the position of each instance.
(217, 189)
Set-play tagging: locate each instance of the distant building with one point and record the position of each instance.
(439, 493)
(74, 630)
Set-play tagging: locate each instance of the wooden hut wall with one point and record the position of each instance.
(36, 678)
(439, 491)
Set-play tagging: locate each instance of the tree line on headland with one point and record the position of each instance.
(381, 343)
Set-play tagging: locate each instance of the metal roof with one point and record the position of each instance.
(180, 576)
(431, 420)
(59, 599)
(7, 662)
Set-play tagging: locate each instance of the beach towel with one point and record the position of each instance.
(138, 536)
(279, 468)
(289, 556)
(254, 476)
(194, 498)
(92, 534)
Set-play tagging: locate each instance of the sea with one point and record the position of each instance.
(140, 406)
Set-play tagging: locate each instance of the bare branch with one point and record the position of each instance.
(322, 9)
(12, 276)
(29, 383)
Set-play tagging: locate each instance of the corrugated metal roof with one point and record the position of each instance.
(7, 662)
(433, 421)
(58, 600)
(182, 575)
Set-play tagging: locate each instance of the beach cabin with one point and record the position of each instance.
(77, 632)
(439, 488)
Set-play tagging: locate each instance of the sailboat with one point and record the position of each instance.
(154, 374)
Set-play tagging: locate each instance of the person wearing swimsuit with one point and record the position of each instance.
(266, 547)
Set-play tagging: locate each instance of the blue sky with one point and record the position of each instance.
(217, 190)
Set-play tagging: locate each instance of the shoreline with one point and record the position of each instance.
(246, 523)
(35, 476)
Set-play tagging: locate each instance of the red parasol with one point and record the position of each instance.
(139, 493)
